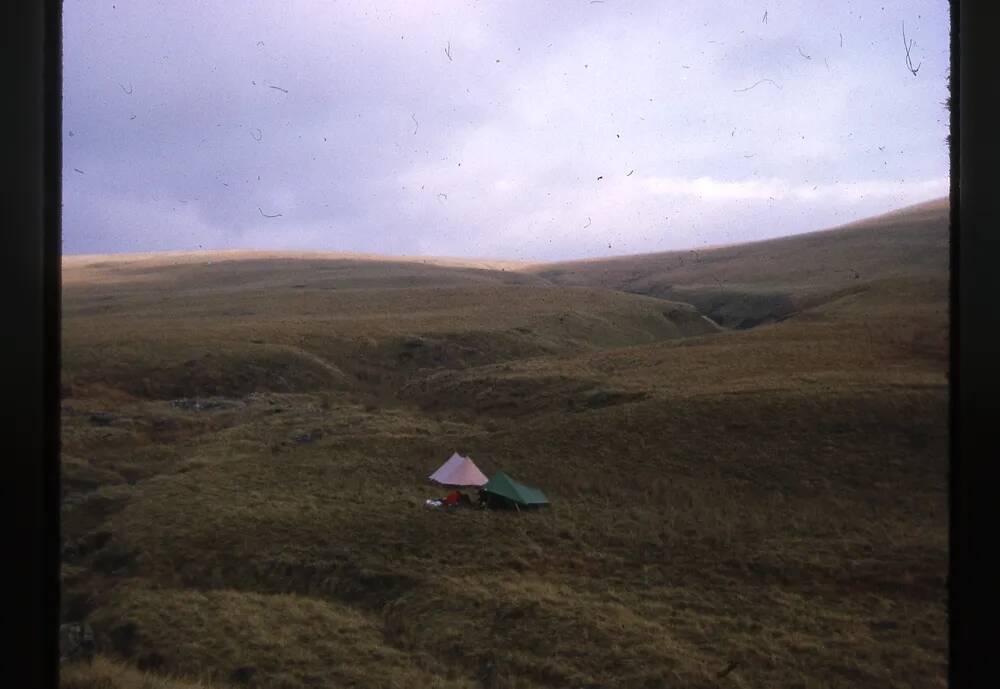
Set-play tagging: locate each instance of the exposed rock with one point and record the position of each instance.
(70, 552)
(69, 502)
(205, 404)
(76, 642)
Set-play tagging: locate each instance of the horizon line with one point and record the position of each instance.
(411, 258)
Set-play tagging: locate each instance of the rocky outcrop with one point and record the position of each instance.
(76, 642)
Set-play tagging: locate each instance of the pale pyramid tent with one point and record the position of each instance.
(459, 471)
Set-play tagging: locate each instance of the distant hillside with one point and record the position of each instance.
(233, 322)
(747, 284)
(215, 270)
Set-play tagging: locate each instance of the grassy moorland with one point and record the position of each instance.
(745, 285)
(763, 504)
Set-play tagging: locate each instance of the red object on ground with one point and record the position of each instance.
(452, 498)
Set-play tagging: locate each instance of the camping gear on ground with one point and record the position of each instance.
(459, 471)
(503, 491)
(453, 499)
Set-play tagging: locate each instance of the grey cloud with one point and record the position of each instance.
(516, 145)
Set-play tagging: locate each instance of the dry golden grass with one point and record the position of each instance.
(770, 500)
(105, 673)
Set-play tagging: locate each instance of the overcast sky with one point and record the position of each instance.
(523, 130)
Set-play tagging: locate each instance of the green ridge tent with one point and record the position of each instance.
(502, 490)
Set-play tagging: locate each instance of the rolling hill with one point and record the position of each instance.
(748, 284)
(745, 450)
